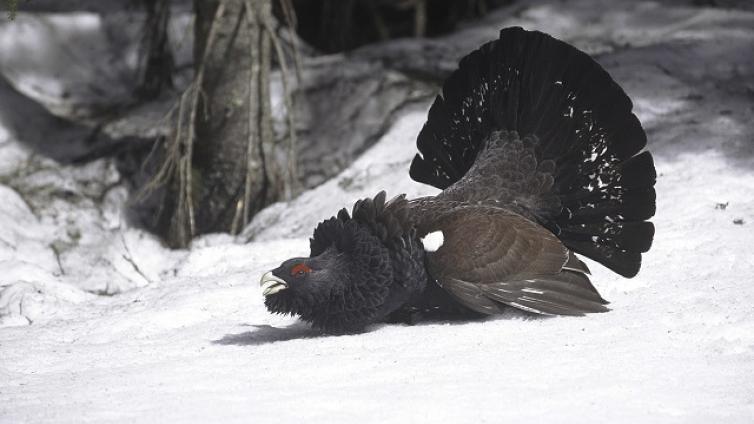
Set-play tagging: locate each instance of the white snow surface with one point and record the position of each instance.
(184, 336)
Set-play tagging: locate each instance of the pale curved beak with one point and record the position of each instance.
(271, 284)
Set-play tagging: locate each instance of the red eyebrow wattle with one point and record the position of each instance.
(300, 268)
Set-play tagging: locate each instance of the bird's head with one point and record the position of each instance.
(341, 286)
(301, 286)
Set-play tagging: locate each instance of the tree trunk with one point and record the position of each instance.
(228, 170)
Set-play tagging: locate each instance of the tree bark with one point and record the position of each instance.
(228, 137)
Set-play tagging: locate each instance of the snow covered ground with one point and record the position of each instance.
(184, 336)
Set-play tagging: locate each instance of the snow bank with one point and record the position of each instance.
(187, 338)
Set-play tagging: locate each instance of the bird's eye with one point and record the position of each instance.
(300, 270)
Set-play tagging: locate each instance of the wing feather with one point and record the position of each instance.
(492, 257)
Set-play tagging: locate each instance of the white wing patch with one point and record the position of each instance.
(433, 241)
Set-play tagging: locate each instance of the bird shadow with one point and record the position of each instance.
(265, 334)
(463, 318)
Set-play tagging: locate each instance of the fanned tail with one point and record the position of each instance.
(535, 125)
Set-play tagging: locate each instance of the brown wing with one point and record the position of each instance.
(490, 257)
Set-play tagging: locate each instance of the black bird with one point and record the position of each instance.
(539, 156)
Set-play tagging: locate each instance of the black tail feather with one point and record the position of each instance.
(602, 188)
